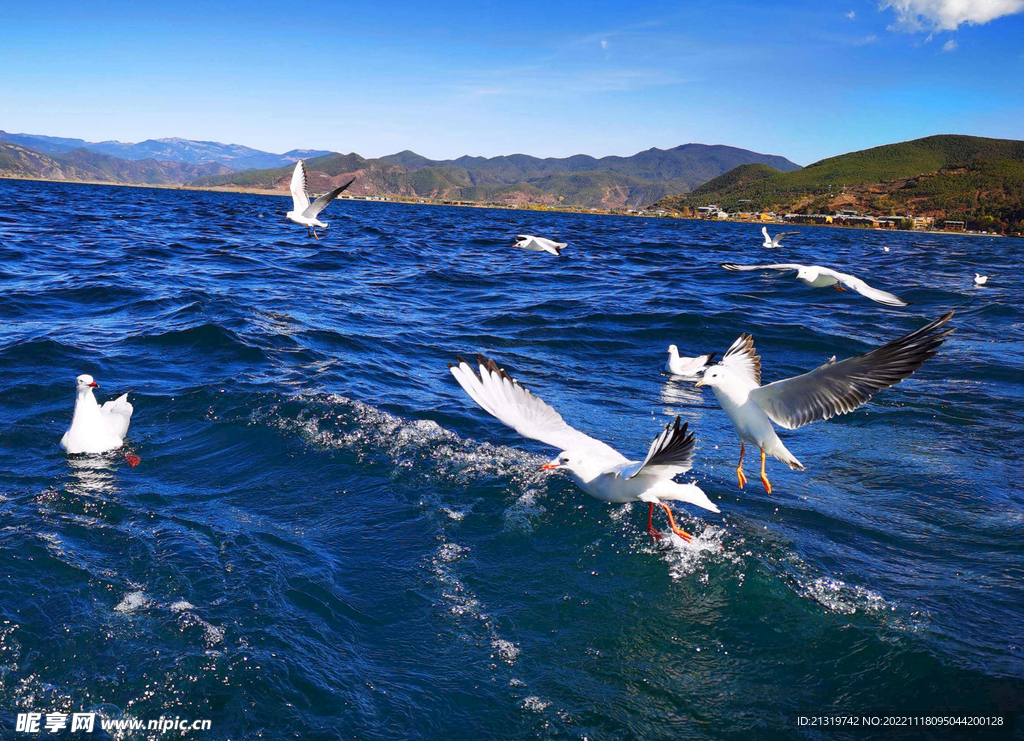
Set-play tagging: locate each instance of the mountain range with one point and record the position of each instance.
(84, 165)
(580, 180)
(188, 151)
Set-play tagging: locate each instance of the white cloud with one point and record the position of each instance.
(852, 14)
(949, 46)
(947, 15)
(604, 43)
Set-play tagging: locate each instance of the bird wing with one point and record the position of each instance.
(311, 211)
(764, 231)
(860, 286)
(839, 388)
(773, 266)
(692, 366)
(779, 237)
(670, 454)
(118, 414)
(504, 398)
(300, 201)
(743, 358)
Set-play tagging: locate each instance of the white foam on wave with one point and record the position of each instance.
(132, 602)
(463, 603)
(335, 421)
(185, 610)
(838, 596)
(684, 559)
(534, 704)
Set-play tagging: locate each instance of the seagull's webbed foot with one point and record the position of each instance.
(315, 236)
(739, 466)
(672, 523)
(839, 287)
(764, 478)
(655, 535)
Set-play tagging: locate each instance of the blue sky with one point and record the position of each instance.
(802, 79)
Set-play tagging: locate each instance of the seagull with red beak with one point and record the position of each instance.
(827, 391)
(95, 428)
(598, 469)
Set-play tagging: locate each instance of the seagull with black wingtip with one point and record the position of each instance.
(829, 390)
(597, 468)
(303, 212)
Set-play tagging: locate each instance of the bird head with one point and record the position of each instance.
(713, 376)
(85, 382)
(575, 463)
(673, 350)
(806, 273)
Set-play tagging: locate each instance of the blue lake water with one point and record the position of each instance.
(326, 538)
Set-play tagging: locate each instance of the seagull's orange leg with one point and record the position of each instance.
(672, 522)
(764, 479)
(655, 535)
(839, 287)
(739, 466)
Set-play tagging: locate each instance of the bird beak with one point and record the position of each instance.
(699, 384)
(549, 467)
(94, 385)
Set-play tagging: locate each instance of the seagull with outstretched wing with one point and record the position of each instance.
(829, 390)
(776, 241)
(816, 276)
(303, 212)
(597, 468)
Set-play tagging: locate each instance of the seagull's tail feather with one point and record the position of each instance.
(780, 452)
(689, 493)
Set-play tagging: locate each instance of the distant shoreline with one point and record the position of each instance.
(538, 208)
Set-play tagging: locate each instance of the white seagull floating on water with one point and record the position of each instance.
(95, 428)
(539, 244)
(980, 280)
(829, 390)
(776, 241)
(816, 276)
(686, 367)
(597, 468)
(303, 212)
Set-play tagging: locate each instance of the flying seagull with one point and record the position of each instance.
(980, 280)
(539, 244)
(95, 428)
(303, 212)
(776, 241)
(597, 468)
(831, 389)
(689, 367)
(816, 276)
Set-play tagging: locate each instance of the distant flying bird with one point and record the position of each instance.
(690, 367)
(597, 468)
(539, 244)
(303, 212)
(776, 241)
(816, 276)
(829, 390)
(980, 280)
(95, 428)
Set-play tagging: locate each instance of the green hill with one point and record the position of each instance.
(946, 176)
